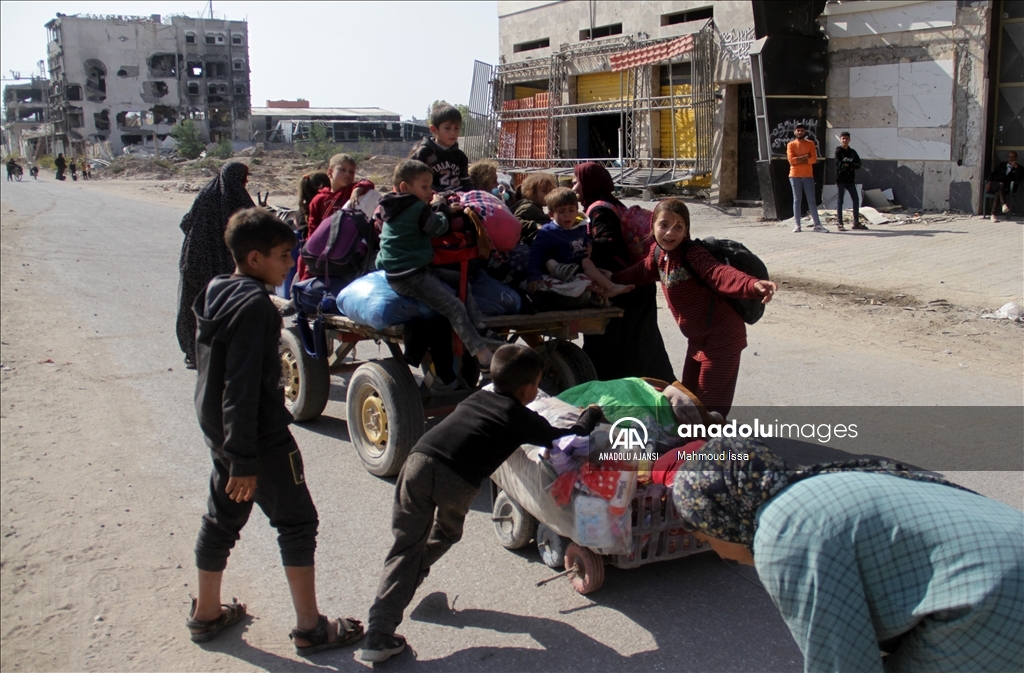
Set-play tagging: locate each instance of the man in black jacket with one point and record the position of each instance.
(442, 477)
(1005, 179)
(240, 405)
(847, 163)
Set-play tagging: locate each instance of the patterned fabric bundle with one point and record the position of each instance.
(719, 493)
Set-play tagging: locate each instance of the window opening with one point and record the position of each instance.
(601, 31)
(530, 46)
(690, 15)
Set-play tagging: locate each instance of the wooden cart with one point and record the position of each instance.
(385, 408)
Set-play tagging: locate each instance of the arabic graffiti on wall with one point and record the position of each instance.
(736, 44)
(782, 133)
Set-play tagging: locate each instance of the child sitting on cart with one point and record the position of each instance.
(442, 477)
(562, 247)
(406, 253)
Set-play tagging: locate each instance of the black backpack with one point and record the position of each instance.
(736, 255)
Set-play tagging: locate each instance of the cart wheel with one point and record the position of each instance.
(385, 415)
(551, 546)
(513, 525)
(589, 568)
(306, 380)
(565, 366)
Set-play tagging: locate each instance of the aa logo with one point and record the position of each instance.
(628, 434)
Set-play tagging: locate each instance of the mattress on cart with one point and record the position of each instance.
(527, 477)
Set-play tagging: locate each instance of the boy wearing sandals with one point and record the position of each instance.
(240, 405)
(442, 477)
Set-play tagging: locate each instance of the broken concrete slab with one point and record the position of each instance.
(872, 215)
(875, 198)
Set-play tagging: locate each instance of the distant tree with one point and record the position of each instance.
(463, 109)
(186, 135)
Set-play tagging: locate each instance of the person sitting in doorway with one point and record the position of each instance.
(1005, 179)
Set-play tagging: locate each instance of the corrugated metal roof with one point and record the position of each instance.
(296, 113)
(657, 53)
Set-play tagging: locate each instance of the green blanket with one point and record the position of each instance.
(621, 398)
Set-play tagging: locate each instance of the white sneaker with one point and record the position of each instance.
(1006, 209)
(797, 229)
(820, 229)
(994, 218)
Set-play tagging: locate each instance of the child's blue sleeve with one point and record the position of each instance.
(538, 253)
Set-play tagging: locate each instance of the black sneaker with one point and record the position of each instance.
(380, 647)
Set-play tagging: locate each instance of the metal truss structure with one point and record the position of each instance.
(639, 164)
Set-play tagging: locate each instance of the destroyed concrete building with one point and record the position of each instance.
(120, 81)
(693, 93)
(25, 116)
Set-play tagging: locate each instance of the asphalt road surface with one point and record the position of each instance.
(112, 262)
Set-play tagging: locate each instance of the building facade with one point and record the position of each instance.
(931, 91)
(120, 81)
(25, 116)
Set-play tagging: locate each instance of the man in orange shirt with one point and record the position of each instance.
(803, 155)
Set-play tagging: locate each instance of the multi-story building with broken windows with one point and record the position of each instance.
(126, 80)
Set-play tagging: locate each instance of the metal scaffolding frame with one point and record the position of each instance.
(640, 164)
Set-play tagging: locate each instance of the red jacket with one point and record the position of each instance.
(688, 299)
(320, 208)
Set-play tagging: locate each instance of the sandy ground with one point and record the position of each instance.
(75, 500)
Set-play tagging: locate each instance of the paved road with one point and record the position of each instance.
(111, 264)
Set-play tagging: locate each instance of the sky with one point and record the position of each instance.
(400, 56)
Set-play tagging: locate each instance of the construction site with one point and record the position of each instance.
(649, 119)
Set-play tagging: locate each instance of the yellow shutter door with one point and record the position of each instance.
(598, 87)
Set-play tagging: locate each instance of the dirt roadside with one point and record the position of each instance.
(95, 559)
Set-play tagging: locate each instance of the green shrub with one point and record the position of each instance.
(319, 147)
(256, 162)
(189, 144)
(166, 164)
(116, 167)
(46, 161)
(224, 149)
(13, 155)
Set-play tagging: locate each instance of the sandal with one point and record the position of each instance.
(840, 227)
(205, 630)
(349, 631)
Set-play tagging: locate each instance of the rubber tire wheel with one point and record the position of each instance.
(518, 532)
(565, 366)
(589, 568)
(306, 380)
(385, 415)
(551, 546)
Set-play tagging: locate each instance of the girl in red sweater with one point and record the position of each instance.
(713, 355)
(342, 172)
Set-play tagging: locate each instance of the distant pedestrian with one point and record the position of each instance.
(847, 163)
(1005, 179)
(73, 168)
(803, 155)
(203, 252)
(61, 164)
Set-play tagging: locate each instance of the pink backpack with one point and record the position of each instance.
(636, 227)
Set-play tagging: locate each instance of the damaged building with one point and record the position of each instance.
(705, 94)
(120, 81)
(25, 117)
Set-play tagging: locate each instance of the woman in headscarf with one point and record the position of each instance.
(204, 254)
(631, 345)
(866, 556)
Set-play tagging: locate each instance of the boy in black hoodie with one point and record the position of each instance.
(241, 411)
(447, 162)
(442, 477)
